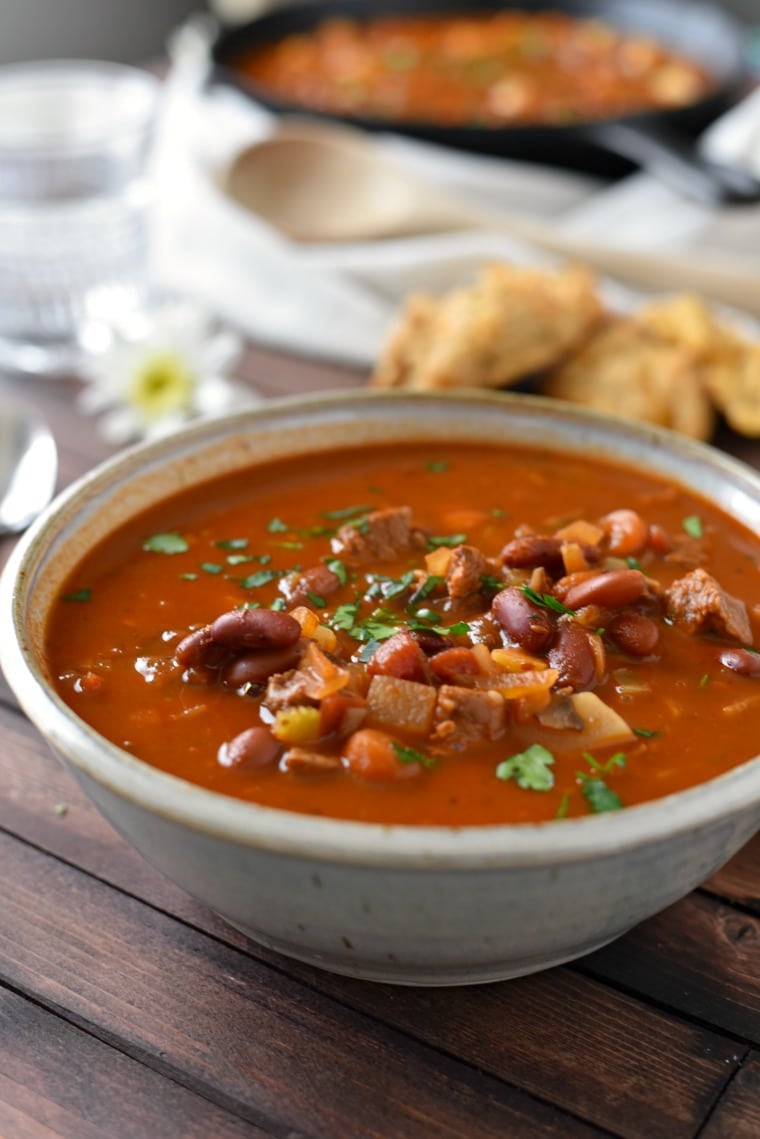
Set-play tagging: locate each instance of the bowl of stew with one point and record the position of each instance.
(428, 690)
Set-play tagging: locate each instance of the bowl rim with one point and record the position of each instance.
(249, 824)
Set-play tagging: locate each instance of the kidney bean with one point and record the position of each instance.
(525, 623)
(400, 656)
(743, 661)
(626, 531)
(609, 590)
(574, 656)
(634, 633)
(660, 541)
(198, 650)
(257, 665)
(255, 747)
(253, 629)
(430, 642)
(318, 581)
(531, 550)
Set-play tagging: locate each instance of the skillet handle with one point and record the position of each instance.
(676, 162)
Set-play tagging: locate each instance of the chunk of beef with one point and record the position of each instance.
(316, 677)
(382, 536)
(471, 713)
(467, 565)
(317, 581)
(698, 602)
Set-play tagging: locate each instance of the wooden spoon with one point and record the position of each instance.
(317, 183)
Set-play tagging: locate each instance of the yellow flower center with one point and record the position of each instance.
(163, 383)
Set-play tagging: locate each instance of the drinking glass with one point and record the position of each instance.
(75, 140)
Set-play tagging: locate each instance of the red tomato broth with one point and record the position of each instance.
(484, 69)
(139, 605)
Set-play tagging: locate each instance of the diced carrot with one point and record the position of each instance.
(371, 754)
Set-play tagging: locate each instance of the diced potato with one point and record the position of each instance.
(516, 660)
(437, 561)
(602, 726)
(573, 558)
(405, 705)
(581, 531)
(297, 725)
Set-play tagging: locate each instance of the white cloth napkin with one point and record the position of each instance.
(339, 301)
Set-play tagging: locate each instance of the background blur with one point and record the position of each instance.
(132, 30)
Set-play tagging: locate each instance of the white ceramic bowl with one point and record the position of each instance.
(415, 905)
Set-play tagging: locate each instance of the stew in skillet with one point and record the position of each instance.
(497, 69)
(423, 634)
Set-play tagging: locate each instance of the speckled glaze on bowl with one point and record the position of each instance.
(411, 905)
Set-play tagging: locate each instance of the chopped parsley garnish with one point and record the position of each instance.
(431, 582)
(238, 559)
(598, 795)
(368, 651)
(437, 466)
(545, 600)
(232, 543)
(289, 545)
(211, 567)
(261, 577)
(411, 755)
(78, 595)
(632, 563)
(645, 733)
(564, 806)
(188, 576)
(704, 680)
(345, 616)
(531, 769)
(318, 532)
(337, 567)
(389, 587)
(692, 524)
(347, 512)
(316, 600)
(498, 512)
(170, 543)
(277, 526)
(278, 604)
(450, 540)
(616, 760)
(488, 581)
(428, 615)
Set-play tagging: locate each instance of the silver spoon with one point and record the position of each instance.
(320, 183)
(28, 468)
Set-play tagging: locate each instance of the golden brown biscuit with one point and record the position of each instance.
(512, 323)
(624, 370)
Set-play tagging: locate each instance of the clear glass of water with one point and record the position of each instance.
(75, 141)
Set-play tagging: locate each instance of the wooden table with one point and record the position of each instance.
(128, 1011)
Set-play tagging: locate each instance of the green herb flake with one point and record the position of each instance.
(448, 540)
(318, 532)
(704, 680)
(545, 600)
(693, 526)
(316, 600)
(278, 605)
(277, 526)
(211, 567)
(431, 582)
(170, 543)
(616, 760)
(345, 616)
(261, 577)
(232, 543)
(60, 809)
(289, 545)
(564, 806)
(188, 577)
(531, 769)
(336, 566)
(411, 755)
(78, 595)
(347, 512)
(437, 466)
(645, 733)
(632, 563)
(263, 559)
(498, 512)
(428, 615)
(598, 795)
(368, 651)
(488, 581)
(238, 559)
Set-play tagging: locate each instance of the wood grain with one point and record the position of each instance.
(243, 1035)
(56, 1080)
(737, 1116)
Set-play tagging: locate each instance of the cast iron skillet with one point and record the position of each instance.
(660, 141)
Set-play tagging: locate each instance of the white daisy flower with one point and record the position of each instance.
(161, 372)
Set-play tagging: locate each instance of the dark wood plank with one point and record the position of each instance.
(56, 1080)
(565, 1032)
(700, 957)
(241, 1034)
(737, 1116)
(739, 880)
